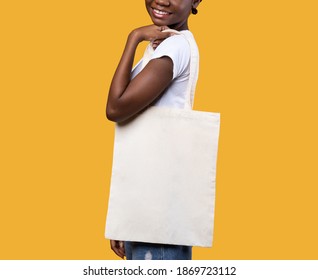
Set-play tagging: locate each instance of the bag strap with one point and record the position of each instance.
(194, 66)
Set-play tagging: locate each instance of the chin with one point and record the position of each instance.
(159, 22)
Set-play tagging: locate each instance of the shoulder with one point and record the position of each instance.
(178, 49)
(175, 44)
(179, 39)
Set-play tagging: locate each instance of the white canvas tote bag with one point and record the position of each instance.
(163, 175)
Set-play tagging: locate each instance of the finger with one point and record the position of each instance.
(163, 35)
(113, 245)
(169, 30)
(161, 28)
(116, 247)
(122, 247)
(164, 27)
(121, 252)
(156, 43)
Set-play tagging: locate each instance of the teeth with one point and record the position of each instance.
(160, 12)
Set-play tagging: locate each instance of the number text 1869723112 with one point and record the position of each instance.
(203, 270)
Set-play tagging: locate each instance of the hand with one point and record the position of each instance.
(151, 33)
(156, 43)
(118, 247)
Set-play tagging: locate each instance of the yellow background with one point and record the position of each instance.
(258, 69)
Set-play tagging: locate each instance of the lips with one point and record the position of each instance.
(160, 13)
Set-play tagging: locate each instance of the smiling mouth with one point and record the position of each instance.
(159, 12)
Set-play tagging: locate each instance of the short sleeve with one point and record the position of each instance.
(178, 49)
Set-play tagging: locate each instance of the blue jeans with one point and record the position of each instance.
(150, 251)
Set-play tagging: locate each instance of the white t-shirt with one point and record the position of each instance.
(178, 49)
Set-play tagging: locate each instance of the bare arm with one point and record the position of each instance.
(127, 97)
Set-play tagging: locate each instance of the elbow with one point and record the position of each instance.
(117, 111)
(111, 115)
(114, 114)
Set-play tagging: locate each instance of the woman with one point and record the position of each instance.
(161, 82)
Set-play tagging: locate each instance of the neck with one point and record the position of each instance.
(180, 27)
